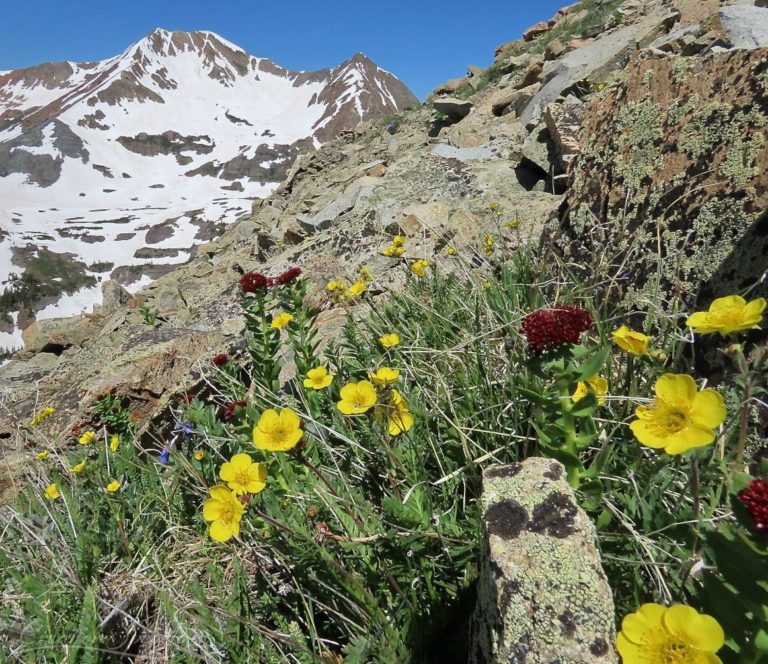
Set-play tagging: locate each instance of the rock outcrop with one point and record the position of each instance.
(542, 595)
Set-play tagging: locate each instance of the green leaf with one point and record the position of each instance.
(592, 366)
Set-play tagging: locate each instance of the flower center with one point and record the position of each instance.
(227, 513)
(243, 478)
(675, 652)
(279, 435)
(675, 421)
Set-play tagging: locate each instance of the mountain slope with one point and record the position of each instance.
(119, 167)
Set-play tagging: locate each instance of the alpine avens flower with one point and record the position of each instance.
(675, 635)
(42, 455)
(398, 240)
(318, 378)
(113, 486)
(630, 341)
(44, 414)
(253, 282)
(384, 376)
(52, 491)
(225, 511)
(450, 251)
(547, 329)
(333, 286)
(681, 417)
(199, 455)
(78, 468)
(399, 417)
(596, 384)
(357, 398)
(114, 443)
(393, 251)
(419, 267)
(755, 498)
(513, 224)
(277, 432)
(389, 340)
(356, 289)
(242, 475)
(220, 360)
(365, 274)
(288, 276)
(87, 437)
(281, 320)
(727, 315)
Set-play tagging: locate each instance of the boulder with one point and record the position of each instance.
(514, 101)
(536, 30)
(113, 296)
(745, 26)
(563, 120)
(54, 335)
(542, 593)
(537, 148)
(456, 109)
(554, 50)
(449, 87)
(532, 74)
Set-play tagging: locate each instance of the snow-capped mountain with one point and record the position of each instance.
(119, 167)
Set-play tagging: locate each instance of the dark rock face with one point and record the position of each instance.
(169, 142)
(678, 183)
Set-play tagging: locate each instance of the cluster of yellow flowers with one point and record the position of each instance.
(281, 320)
(419, 267)
(339, 291)
(488, 245)
(396, 249)
(44, 414)
(358, 398)
(681, 417)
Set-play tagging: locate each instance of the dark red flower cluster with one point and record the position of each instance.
(755, 499)
(549, 328)
(220, 360)
(288, 276)
(253, 282)
(229, 409)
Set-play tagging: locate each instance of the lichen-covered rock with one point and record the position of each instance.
(542, 595)
(672, 198)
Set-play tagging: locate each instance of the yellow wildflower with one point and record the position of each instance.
(277, 432)
(280, 321)
(78, 468)
(365, 274)
(514, 224)
(242, 475)
(727, 315)
(333, 286)
(318, 378)
(398, 240)
(44, 414)
(487, 285)
(419, 267)
(384, 376)
(676, 634)
(114, 443)
(225, 511)
(87, 437)
(488, 245)
(356, 289)
(493, 206)
(52, 491)
(681, 417)
(199, 455)
(390, 340)
(596, 384)
(393, 250)
(42, 455)
(113, 486)
(630, 341)
(400, 418)
(357, 398)
(450, 251)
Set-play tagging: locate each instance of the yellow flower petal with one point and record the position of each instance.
(708, 409)
(222, 531)
(726, 303)
(676, 388)
(701, 631)
(690, 437)
(648, 617)
(647, 434)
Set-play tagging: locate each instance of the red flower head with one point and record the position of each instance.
(229, 410)
(220, 360)
(755, 499)
(288, 276)
(549, 328)
(253, 282)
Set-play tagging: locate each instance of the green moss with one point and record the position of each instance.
(680, 70)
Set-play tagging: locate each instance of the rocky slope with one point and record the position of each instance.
(567, 132)
(118, 168)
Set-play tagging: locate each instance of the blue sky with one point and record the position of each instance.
(423, 43)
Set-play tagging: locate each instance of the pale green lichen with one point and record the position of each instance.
(679, 70)
(639, 125)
